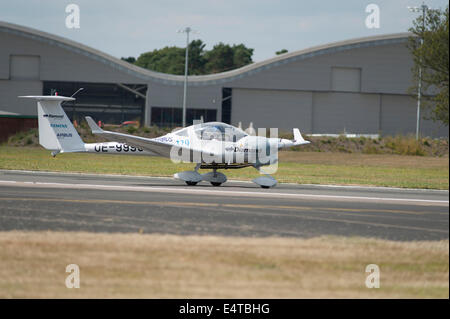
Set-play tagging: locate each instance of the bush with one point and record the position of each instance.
(131, 129)
(405, 145)
(371, 149)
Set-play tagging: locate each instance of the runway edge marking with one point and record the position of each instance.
(223, 192)
(363, 187)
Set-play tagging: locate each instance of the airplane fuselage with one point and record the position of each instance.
(212, 145)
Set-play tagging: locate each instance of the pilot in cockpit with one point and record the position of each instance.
(212, 133)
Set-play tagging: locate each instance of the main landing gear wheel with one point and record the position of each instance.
(265, 181)
(215, 184)
(215, 178)
(191, 178)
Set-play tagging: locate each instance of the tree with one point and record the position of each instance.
(432, 56)
(165, 60)
(219, 59)
(222, 57)
(130, 59)
(281, 51)
(196, 58)
(241, 55)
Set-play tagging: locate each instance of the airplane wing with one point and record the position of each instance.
(152, 145)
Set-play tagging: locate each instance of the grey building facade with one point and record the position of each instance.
(356, 86)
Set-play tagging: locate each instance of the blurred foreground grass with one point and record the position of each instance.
(33, 265)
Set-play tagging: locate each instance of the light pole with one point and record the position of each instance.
(185, 30)
(424, 8)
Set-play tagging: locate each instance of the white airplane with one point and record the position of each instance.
(212, 145)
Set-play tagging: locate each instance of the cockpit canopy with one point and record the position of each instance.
(215, 131)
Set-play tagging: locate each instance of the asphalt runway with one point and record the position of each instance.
(108, 203)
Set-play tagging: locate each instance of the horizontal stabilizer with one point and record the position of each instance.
(48, 97)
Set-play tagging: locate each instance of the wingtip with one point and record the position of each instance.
(94, 127)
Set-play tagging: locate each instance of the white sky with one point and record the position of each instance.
(129, 28)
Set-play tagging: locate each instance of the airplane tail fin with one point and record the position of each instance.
(56, 132)
(298, 138)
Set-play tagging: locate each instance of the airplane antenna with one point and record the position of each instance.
(80, 89)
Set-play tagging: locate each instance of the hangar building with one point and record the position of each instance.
(356, 86)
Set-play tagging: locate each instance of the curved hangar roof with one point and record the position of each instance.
(199, 80)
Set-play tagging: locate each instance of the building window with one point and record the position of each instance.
(172, 116)
(346, 79)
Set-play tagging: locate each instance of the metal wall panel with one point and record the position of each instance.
(9, 102)
(270, 108)
(207, 97)
(346, 79)
(59, 64)
(399, 116)
(384, 69)
(4, 64)
(24, 67)
(336, 113)
(309, 74)
(387, 69)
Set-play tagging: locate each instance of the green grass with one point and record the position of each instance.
(295, 167)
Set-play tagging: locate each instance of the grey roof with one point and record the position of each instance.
(210, 79)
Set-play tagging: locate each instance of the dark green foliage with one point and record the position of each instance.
(165, 60)
(433, 58)
(196, 58)
(131, 129)
(281, 51)
(222, 57)
(130, 59)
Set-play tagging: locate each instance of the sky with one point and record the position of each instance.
(129, 28)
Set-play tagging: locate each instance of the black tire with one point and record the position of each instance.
(265, 187)
(191, 183)
(215, 184)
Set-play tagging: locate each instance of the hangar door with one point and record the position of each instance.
(272, 108)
